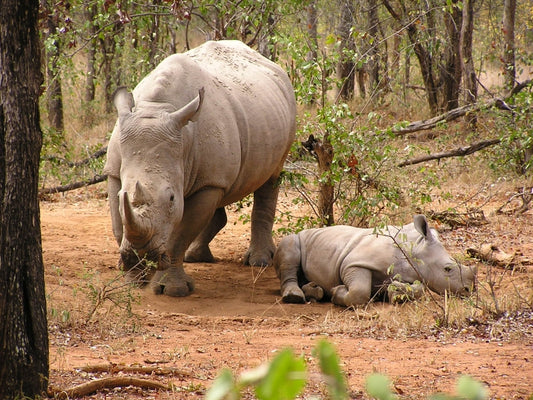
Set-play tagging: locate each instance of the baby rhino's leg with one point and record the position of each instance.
(356, 288)
(287, 262)
(313, 292)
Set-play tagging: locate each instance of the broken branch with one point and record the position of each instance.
(72, 186)
(460, 151)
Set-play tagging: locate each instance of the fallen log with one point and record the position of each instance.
(460, 151)
(106, 383)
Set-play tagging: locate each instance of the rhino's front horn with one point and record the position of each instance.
(135, 229)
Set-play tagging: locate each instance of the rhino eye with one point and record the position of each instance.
(447, 268)
(171, 197)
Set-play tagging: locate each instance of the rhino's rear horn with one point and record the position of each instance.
(189, 112)
(135, 230)
(141, 195)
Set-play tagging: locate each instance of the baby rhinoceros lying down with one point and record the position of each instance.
(349, 265)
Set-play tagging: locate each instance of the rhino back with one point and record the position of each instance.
(247, 121)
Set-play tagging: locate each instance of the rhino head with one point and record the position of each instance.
(433, 265)
(151, 198)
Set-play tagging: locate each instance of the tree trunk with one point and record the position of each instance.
(90, 13)
(373, 51)
(508, 57)
(54, 95)
(424, 59)
(346, 66)
(23, 324)
(450, 71)
(469, 72)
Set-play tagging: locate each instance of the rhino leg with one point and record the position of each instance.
(286, 262)
(313, 292)
(113, 188)
(356, 288)
(262, 246)
(199, 250)
(198, 211)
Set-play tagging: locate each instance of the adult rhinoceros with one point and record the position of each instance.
(201, 131)
(349, 265)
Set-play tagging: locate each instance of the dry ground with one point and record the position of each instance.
(235, 318)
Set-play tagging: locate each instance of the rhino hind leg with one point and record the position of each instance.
(288, 269)
(262, 246)
(356, 287)
(199, 250)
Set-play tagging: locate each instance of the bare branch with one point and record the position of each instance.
(460, 151)
(72, 186)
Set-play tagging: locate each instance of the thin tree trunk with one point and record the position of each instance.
(90, 13)
(424, 59)
(54, 95)
(451, 70)
(508, 57)
(469, 72)
(373, 51)
(23, 325)
(346, 66)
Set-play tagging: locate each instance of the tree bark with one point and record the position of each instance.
(373, 51)
(424, 58)
(508, 56)
(90, 13)
(54, 95)
(451, 69)
(346, 66)
(469, 72)
(23, 324)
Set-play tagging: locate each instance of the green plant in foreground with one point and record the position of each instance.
(284, 378)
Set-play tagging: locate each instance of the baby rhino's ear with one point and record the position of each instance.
(422, 226)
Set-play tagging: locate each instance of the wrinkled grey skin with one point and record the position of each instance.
(201, 131)
(349, 265)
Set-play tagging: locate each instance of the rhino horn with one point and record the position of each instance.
(141, 195)
(188, 112)
(136, 232)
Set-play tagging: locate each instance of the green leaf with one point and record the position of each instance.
(378, 387)
(285, 378)
(223, 387)
(471, 389)
(330, 366)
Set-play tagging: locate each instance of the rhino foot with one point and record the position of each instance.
(293, 295)
(199, 254)
(172, 283)
(258, 258)
(313, 292)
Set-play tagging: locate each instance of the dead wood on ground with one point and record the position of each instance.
(106, 383)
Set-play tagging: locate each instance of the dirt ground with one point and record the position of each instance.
(235, 319)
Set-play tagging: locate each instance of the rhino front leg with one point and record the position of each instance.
(356, 288)
(262, 246)
(287, 263)
(198, 211)
(199, 250)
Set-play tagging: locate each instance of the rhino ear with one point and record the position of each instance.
(422, 226)
(189, 112)
(123, 100)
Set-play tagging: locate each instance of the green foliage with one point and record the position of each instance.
(284, 378)
(516, 135)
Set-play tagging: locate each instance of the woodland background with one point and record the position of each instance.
(368, 75)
